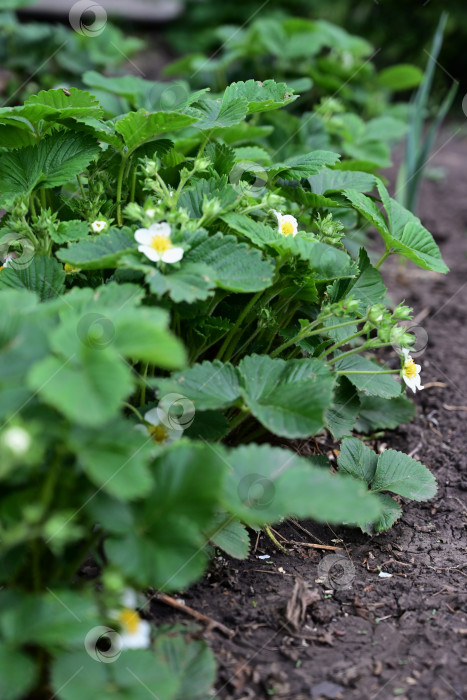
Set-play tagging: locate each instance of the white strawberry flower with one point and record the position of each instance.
(8, 257)
(135, 633)
(411, 371)
(98, 225)
(17, 440)
(158, 428)
(287, 224)
(156, 245)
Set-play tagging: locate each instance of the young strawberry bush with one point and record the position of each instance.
(41, 54)
(176, 301)
(345, 102)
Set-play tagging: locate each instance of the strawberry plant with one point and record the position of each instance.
(175, 298)
(39, 55)
(345, 103)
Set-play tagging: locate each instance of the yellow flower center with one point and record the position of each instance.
(70, 268)
(160, 243)
(410, 369)
(129, 620)
(287, 227)
(158, 433)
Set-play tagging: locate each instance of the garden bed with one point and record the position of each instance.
(402, 636)
(190, 324)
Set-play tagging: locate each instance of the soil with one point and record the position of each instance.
(357, 635)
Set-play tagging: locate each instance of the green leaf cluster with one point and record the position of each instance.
(141, 399)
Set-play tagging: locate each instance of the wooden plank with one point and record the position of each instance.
(137, 10)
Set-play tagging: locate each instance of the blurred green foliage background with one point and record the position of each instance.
(400, 31)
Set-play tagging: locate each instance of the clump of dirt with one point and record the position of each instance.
(308, 626)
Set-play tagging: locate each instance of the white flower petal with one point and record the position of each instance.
(291, 219)
(172, 255)
(278, 217)
(17, 439)
(143, 236)
(161, 228)
(173, 436)
(149, 252)
(129, 598)
(406, 352)
(141, 639)
(286, 219)
(141, 429)
(98, 226)
(152, 416)
(413, 383)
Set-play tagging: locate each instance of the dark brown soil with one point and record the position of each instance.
(401, 636)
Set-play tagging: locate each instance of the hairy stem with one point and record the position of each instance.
(274, 540)
(369, 371)
(80, 183)
(385, 255)
(309, 331)
(340, 343)
(119, 189)
(237, 324)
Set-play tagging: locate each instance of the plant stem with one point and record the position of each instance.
(51, 480)
(340, 343)
(355, 350)
(358, 371)
(219, 295)
(81, 186)
(119, 188)
(164, 187)
(307, 333)
(143, 388)
(133, 185)
(205, 142)
(237, 324)
(274, 540)
(385, 255)
(43, 198)
(32, 205)
(243, 415)
(290, 313)
(135, 410)
(295, 351)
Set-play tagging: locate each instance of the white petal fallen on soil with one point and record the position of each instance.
(263, 556)
(384, 574)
